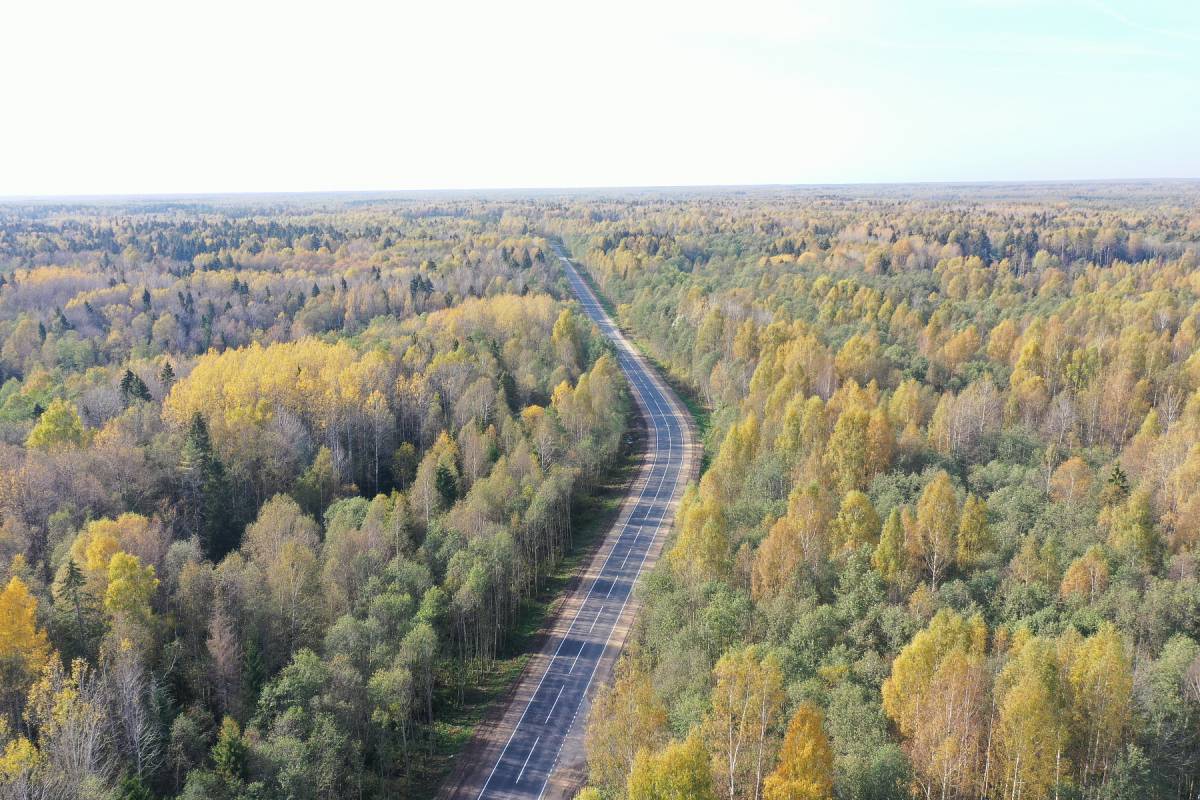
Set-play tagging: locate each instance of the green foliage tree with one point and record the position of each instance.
(58, 427)
(229, 753)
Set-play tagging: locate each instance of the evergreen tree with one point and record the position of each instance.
(76, 612)
(229, 753)
(133, 388)
(206, 490)
(131, 787)
(447, 485)
(1116, 489)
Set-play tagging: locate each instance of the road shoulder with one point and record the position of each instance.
(492, 732)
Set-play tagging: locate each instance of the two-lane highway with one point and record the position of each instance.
(551, 710)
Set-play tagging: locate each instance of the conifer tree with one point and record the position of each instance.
(206, 490)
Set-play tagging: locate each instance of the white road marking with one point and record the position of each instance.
(557, 697)
(577, 655)
(526, 764)
(656, 404)
(597, 619)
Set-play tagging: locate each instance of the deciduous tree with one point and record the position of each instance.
(805, 770)
(677, 772)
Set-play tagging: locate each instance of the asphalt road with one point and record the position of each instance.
(552, 713)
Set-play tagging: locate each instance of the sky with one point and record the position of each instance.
(179, 96)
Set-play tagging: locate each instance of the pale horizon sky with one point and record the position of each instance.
(221, 97)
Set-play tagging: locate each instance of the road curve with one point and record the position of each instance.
(536, 748)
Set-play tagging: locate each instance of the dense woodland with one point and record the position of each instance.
(947, 543)
(275, 486)
(276, 478)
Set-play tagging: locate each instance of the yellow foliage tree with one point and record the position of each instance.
(1101, 681)
(799, 538)
(677, 772)
(437, 472)
(130, 588)
(960, 348)
(937, 695)
(932, 541)
(847, 456)
(1132, 531)
(974, 536)
(1087, 577)
(733, 460)
(93, 549)
(805, 770)
(881, 442)
(856, 524)
(1001, 341)
(68, 711)
(1071, 481)
(890, 558)
(1033, 726)
(58, 427)
(19, 763)
(740, 730)
(702, 550)
(625, 719)
(24, 648)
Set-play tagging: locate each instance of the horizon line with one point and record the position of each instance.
(253, 193)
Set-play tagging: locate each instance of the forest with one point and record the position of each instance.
(276, 486)
(278, 480)
(946, 543)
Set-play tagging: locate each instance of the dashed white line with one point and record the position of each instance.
(662, 412)
(557, 697)
(526, 764)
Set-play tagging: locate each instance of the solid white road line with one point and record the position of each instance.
(654, 402)
(638, 392)
(660, 398)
